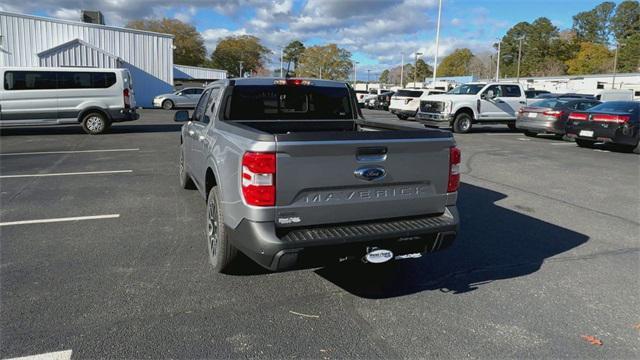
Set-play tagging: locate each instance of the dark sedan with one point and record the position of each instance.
(549, 116)
(614, 122)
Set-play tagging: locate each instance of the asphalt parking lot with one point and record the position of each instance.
(548, 253)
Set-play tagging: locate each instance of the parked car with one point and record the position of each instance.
(614, 122)
(183, 98)
(360, 96)
(559, 95)
(405, 102)
(94, 98)
(472, 103)
(384, 100)
(286, 189)
(532, 94)
(549, 116)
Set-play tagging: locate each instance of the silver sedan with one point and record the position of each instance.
(183, 98)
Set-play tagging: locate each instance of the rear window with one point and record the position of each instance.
(616, 106)
(549, 103)
(272, 102)
(409, 93)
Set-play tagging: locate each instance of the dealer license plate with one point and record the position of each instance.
(586, 133)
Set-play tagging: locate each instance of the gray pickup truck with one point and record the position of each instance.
(294, 176)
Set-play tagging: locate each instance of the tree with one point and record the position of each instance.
(292, 53)
(626, 21)
(421, 71)
(325, 62)
(233, 49)
(591, 59)
(189, 45)
(629, 54)
(456, 63)
(384, 77)
(595, 25)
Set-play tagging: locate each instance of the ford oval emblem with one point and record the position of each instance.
(370, 173)
(379, 256)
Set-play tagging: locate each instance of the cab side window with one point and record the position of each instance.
(496, 90)
(198, 114)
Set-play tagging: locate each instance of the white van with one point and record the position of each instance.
(94, 98)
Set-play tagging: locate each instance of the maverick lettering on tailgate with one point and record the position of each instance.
(367, 194)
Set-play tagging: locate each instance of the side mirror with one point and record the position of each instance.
(181, 116)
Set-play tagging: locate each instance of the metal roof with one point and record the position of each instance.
(71, 22)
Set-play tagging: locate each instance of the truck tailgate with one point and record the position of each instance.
(360, 176)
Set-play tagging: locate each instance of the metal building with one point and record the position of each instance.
(27, 40)
(184, 72)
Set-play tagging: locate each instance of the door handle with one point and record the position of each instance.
(191, 132)
(522, 102)
(202, 139)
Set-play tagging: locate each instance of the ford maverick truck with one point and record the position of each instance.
(293, 175)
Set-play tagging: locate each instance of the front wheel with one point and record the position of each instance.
(185, 179)
(95, 123)
(221, 252)
(167, 104)
(462, 123)
(585, 143)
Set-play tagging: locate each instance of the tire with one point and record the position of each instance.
(636, 150)
(462, 123)
(221, 252)
(585, 143)
(95, 123)
(530, 134)
(512, 126)
(185, 180)
(167, 105)
(402, 117)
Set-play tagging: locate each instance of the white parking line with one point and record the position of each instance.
(67, 152)
(524, 139)
(44, 221)
(503, 134)
(58, 355)
(67, 174)
(563, 143)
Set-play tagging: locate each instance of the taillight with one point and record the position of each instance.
(259, 178)
(292, 82)
(454, 169)
(521, 110)
(578, 116)
(127, 98)
(620, 119)
(554, 113)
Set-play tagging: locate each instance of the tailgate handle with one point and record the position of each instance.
(372, 153)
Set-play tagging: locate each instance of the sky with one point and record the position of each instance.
(376, 32)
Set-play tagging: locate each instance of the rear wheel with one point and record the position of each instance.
(462, 123)
(402, 117)
(585, 143)
(221, 252)
(511, 125)
(530, 134)
(167, 104)
(95, 123)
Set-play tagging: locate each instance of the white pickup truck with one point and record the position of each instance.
(473, 103)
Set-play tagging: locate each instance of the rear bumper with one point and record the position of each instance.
(435, 119)
(281, 249)
(541, 125)
(123, 115)
(408, 113)
(626, 134)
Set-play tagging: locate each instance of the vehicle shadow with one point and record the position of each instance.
(124, 128)
(494, 243)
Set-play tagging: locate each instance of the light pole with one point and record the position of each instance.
(498, 62)
(355, 73)
(519, 56)
(240, 75)
(368, 71)
(435, 60)
(615, 65)
(415, 67)
(401, 70)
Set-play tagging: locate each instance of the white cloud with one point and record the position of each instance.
(212, 36)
